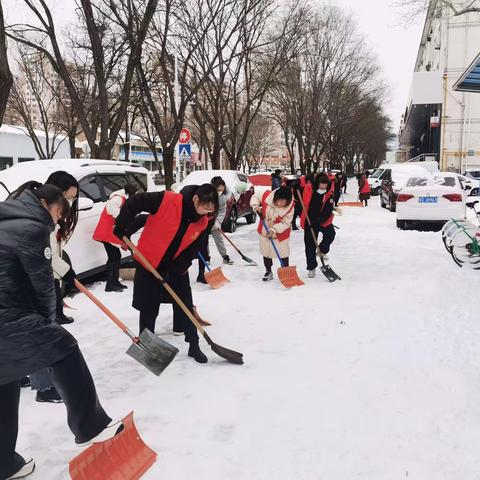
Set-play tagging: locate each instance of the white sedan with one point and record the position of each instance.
(436, 198)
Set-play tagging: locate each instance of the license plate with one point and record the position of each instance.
(428, 200)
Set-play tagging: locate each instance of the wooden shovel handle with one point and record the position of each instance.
(139, 256)
(105, 310)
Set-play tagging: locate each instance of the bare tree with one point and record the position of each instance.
(268, 38)
(113, 52)
(6, 78)
(414, 8)
(33, 102)
(259, 143)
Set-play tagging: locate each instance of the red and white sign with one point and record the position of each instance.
(184, 136)
(434, 122)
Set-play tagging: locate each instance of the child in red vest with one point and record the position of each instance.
(318, 198)
(277, 210)
(104, 233)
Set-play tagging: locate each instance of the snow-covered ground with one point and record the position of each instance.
(375, 377)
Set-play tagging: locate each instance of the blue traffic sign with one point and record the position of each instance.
(185, 150)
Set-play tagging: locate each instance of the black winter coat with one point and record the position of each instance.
(29, 337)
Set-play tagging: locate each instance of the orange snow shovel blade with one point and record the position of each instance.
(124, 457)
(216, 278)
(288, 277)
(350, 204)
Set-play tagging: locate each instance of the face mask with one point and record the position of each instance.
(321, 191)
(70, 202)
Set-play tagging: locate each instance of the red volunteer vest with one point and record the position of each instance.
(104, 230)
(160, 229)
(307, 197)
(366, 187)
(280, 236)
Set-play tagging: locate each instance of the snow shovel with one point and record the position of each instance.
(151, 351)
(230, 355)
(123, 457)
(215, 278)
(244, 257)
(288, 276)
(350, 204)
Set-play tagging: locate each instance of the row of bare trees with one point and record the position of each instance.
(228, 69)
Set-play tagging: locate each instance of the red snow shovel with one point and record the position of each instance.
(151, 351)
(123, 457)
(288, 276)
(215, 278)
(230, 355)
(350, 204)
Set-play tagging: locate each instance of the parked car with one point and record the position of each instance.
(394, 178)
(97, 179)
(263, 179)
(239, 188)
(375, 179)
(474, 175)
(437, 198)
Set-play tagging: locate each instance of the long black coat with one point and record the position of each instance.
(29, 337)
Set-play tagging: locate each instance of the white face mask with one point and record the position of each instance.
(70, 202)
(321, 191)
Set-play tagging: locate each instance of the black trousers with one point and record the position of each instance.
(149, 309)
(310, 247)
(113, 252)
(268, 262)
(297, 212)
(59, 298)
(86, 417)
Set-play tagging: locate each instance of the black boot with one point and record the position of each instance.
(116, 275)
(62, 319)
(195, 352)
(111, 286)
(201, 272)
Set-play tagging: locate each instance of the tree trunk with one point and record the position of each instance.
(168, 154)
(6, 78)
(71, 144)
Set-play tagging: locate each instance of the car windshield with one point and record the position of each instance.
(377, 173)
(437, 180)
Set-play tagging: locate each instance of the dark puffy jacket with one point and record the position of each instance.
(29, 337)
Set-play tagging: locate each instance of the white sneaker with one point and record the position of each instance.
(106, 434)
(25, 471)
(311, 273)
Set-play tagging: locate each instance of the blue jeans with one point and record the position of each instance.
(41, 380)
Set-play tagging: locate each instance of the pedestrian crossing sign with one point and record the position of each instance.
(185, 151)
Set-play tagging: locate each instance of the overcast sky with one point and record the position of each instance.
(395, 45)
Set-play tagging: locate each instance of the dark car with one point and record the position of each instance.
(239, 188)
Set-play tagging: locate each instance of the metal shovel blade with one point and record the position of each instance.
(249, 261)
(216, 278)
(152, 352)
(231, 355)
(289, 278)
(123, 457)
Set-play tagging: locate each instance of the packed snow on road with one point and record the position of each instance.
(376, 376)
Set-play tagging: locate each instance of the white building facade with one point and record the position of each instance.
(16, 146)
(438, 121)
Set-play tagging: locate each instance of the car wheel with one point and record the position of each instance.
(251, 218)
(401, 224)
(232, 221)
